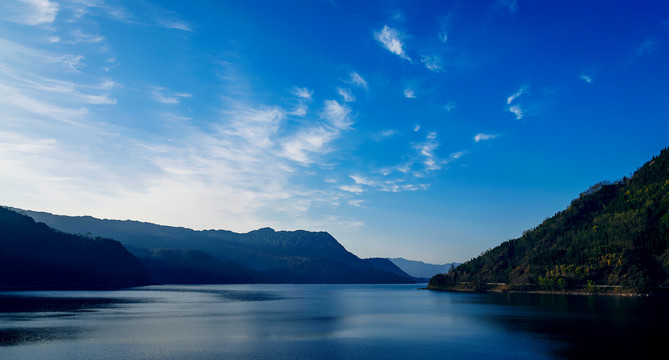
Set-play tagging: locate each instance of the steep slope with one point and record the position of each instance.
(421, 269)
(33, 255)
(614, 234)
(280, 256)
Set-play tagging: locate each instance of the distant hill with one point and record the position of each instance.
(278, 256)
(388, 266)
(32, 255)
(614, 236)
(419, 269)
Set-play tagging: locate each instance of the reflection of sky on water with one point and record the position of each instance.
(307, 321)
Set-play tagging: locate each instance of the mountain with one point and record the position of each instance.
(32, 255)
(388, 266)
(615, 236)
(419, 269)
(175, 266)
(278, 256)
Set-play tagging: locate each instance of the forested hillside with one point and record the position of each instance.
(32, 255)
(614, 236)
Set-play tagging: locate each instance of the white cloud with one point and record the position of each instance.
(516, 95)
(159, 96)
(358, 80)
(81, 37)
(304, 145)
(586, 78)
(481, 136)
(416, 127)
(302, 92)
(346, 94)
(432, 62)
(391, 39)
(38, 12)
(384, 134)
(355, 203)
(517, 110)
(409, 93)
(337, 115)
(361, 180)
(450, 106)
(300, 110)
(356, 189)
(457, 155)
(176, 25)
(254, 126)
(427, 150)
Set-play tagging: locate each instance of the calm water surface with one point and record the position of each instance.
(325, 322)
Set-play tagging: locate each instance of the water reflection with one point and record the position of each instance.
(590, 326)
(324, 322)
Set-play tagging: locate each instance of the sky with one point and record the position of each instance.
(429, 130)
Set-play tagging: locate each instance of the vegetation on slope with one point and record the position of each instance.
(614, 235)
(32, 255)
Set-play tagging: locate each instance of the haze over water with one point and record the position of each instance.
(324, 322)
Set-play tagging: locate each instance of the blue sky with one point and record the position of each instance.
(431, 130)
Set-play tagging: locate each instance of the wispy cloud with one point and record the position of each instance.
(346, 94)
(358, 80)
(585, 77)
(31, 12)
(481, 136)
(175, 24)
(302, 92)
(410, 93)
(391, 39)
(516, 95)
(356, 203)
(302, 146)
(79, 36)
(517, 111)
(450, 106)
(514, 106)
(427, 149)
(159, 95)
(337, 115)
(384, 134)
(361, 180)
(356, 189)
(432, 62)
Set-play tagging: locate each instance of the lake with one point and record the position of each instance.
(325, 322)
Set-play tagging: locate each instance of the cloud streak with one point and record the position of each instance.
(391, 39)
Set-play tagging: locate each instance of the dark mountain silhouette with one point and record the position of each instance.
(278, 256)
(615, 236)
(32, 255)
(175, 266)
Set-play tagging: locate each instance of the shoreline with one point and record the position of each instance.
(548, 292)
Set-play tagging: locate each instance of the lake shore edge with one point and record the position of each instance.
(598, 292)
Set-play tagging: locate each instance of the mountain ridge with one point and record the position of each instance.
(278, 256)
